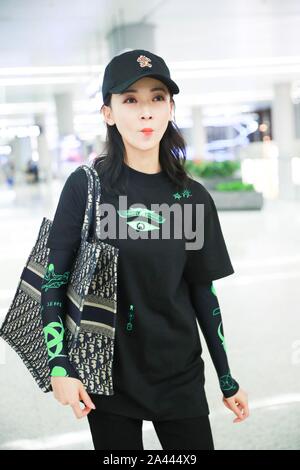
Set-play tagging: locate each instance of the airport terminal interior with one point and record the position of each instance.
(237, 64)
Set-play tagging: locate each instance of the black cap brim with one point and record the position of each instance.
(167, 81)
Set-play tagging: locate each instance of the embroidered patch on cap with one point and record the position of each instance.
(144, 61)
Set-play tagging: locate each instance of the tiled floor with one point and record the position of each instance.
(260, 309)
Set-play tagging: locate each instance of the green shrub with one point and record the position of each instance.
(234, 186)
(208, 169)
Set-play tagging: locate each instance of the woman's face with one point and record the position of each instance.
(146, 103)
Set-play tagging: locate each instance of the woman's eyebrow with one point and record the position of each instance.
(133, 90)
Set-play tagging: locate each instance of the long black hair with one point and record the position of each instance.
(172, 156)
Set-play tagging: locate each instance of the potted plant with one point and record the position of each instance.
(224, 184)
(212, 173)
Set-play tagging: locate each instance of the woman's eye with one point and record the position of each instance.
(160, 96)
(157, 96)
(128, 99)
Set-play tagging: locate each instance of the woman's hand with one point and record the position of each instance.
(70, 391)
(238, 403)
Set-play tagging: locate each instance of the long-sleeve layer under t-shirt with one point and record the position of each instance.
(163, 290)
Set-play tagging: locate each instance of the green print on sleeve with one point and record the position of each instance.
(55, 331)
(217, 311)
(53, 280)
(212, 289)
(221, 336)
(58, 371)
(227, 382)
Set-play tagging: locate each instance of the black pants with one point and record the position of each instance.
(116, 432)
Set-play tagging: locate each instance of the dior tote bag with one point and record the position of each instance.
(91, 294)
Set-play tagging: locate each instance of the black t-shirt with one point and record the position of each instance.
(158, 371)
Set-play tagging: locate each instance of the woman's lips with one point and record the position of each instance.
(147, 132)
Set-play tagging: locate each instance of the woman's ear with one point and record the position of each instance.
(107, 115)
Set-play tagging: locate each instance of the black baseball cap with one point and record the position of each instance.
(128, 67)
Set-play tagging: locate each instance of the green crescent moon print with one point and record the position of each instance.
(216, 311)
(221, 336)
(212, 289)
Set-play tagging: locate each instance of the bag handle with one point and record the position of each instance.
(92, 209)
(96, 203)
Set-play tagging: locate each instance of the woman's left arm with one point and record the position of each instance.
(205, 302)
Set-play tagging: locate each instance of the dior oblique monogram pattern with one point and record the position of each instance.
(91, 352)
(22, 330)
(93, 358)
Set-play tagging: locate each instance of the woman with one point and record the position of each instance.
(163, 287)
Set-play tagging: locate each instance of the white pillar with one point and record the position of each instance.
(21, 153)
(45, 162)
(199, 138)
(64, 113)
(65, 122)
(283, 126)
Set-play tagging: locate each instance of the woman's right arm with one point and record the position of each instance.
(53, 301)
(63, 241)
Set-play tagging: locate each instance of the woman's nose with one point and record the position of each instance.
(147, 115)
